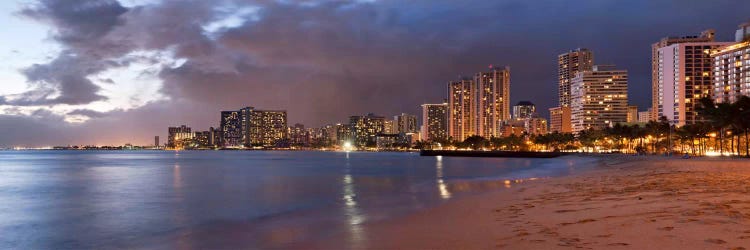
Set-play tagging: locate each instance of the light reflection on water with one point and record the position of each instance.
(231, 199)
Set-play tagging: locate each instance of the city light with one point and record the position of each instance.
(348, 146)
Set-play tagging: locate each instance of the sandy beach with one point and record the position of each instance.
(630, 202)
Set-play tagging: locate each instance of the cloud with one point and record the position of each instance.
(79, 26)
(88, 113)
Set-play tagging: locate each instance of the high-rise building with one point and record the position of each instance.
(599, 98)
(493, 100)
(253, 127)
(202, 139)
(461, 109)
(365, 129)
(705, 36)
(560, 120)
(644, 116)
(299, 136)
(435, 122)
(177, 135)
(390, 127)
(632, 114)
(267, 128)
(512, 129)
(231, 125)
(536, 126)
(731, 69)
(569, 64)
(524, 110)
(215, 139)
(685, 75)
(343, 134)
(406, 123)
(156, 141)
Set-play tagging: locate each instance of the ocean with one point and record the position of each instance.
(233, 199)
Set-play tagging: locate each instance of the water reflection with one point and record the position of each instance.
(179, 213)
(442, 187)
(232, 199)
(354, 216)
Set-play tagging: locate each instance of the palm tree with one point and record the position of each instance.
(657, 129)
(720, 115)
(475, 142)
(741, 121)
(588, 138)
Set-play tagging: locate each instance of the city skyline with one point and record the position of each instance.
(391, 72)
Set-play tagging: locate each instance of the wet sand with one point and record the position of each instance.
(630, 202)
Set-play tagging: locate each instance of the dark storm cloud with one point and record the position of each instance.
(326, 60)
(62, 81)
(78, 21)
(79, 27)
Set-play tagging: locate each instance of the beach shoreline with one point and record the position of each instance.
(642, 202)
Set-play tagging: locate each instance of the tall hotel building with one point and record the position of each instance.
(684, 76)
(405, 123)
(599, 98)
(569, 64)
(364, 129)
(656, 61)
(435, 122)
(252, 127)
(461, 103)
(493, 101)
(267, 127)
(732, 68)
(479, 105)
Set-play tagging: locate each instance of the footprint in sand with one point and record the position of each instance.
(618, 244)
(716, 241)
(666, 228)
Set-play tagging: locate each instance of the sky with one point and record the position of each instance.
(108, 72)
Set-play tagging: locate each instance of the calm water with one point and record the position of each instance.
(230, 199)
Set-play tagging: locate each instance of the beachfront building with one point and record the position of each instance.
(252, 127)
(202, 139)
(178, 136)
(536, 126)
(644, 116)
(231, 129)
(632, 114)
(298, 135)
(492, 100)
(389, 127)
(569, 64)
(434, 122)
(731, 69)
(513, 128)
(405, 123)
(364, 129)
(599, 98)
(559, 120)
(344, 134)
(267, 128)
(524, 110)
(685, 76)
(656, 88)
(461, 111)
(215, 140)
